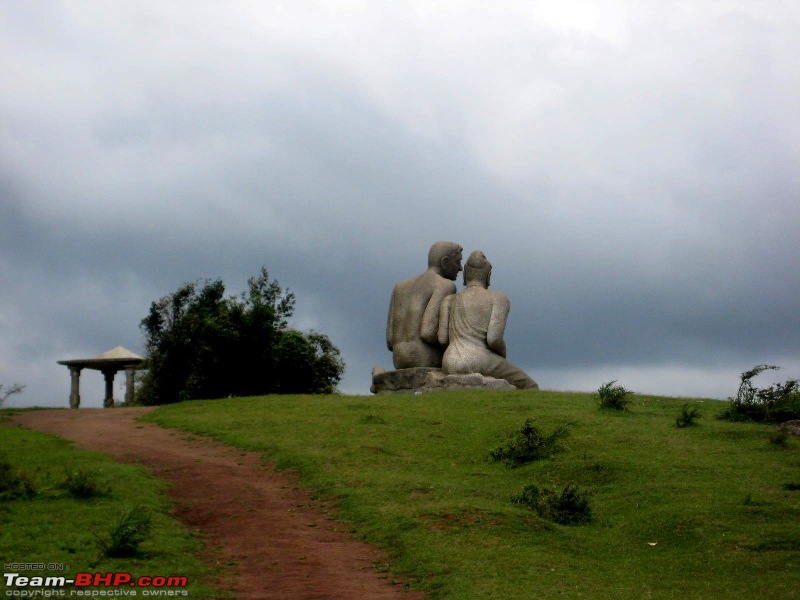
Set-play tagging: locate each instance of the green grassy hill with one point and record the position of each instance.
(708, 511)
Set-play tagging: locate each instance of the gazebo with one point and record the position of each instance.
(108, 363)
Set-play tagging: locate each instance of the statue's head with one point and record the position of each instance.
(478, 268)
(446, 256)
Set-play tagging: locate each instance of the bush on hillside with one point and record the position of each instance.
(15, 388)
(529, 443)
(774, 404)
(687, 415)
(569, 506)
(613, 396)
(127, 533)
(14, 483)
(82, 484)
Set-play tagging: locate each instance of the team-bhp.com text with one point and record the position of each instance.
(121, 582)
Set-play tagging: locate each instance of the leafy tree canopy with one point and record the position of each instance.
(200, 344)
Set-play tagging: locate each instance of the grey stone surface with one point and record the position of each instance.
(403, 381)
(413, 322)
(423, 380)
(473, 381)
(471, 327)
(789, 427)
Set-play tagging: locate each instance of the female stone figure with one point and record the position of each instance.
(471, 325)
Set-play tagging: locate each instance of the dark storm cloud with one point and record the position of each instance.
(630, 172)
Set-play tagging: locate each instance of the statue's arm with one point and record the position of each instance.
(429, 328)
(390, 323)
(444, 320)
(497, 324)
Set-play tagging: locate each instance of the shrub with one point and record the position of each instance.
(14, 483)
(14, 389)
(613, 396)
(688, 415)
(83, 485)
(529, 444)
(567, 507)
(778, 438)
(376, 419)
(130, 530)
(773, 404)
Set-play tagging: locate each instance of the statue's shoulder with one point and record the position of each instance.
(408, 283)
(500, 298)
(446, 285)
(435, 281)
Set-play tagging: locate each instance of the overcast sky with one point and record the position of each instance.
(631, 169)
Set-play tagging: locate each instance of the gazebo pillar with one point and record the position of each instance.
(108, 402)
(129, 389)
(75, 388)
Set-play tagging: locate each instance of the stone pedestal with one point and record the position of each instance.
(472, 381)
(403, 381)
(423, 380)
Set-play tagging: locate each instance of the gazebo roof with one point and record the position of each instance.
(116, 358)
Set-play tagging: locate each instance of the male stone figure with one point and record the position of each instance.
(413, 324)
(472, 322)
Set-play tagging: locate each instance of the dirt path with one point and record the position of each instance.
(259, 519)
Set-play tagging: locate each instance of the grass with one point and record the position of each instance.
(700, 512)
(78, 497)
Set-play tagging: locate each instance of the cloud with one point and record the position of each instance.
(630, 170)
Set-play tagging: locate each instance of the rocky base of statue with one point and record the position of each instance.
(423, 380)
(789, 427)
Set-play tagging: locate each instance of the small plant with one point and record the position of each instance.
(14, 483)
(374, 419)
(130, 530)
(613, 396)
(688, 415)
(529, 444)
(778, 438)
(567, 507)
(83, 485)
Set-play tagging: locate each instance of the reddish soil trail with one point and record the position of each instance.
(260, 520)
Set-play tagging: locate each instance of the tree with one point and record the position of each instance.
(200, 344)
(14, 389)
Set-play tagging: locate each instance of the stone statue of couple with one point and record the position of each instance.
(432, 325)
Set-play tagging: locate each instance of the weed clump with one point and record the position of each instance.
(773, 404)
(778, 438)
(14, 483)
(130, 530)
(569, 506)
(373, 419)
(83, 485)
(613, 396)
(530, 444)
(687, 416)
